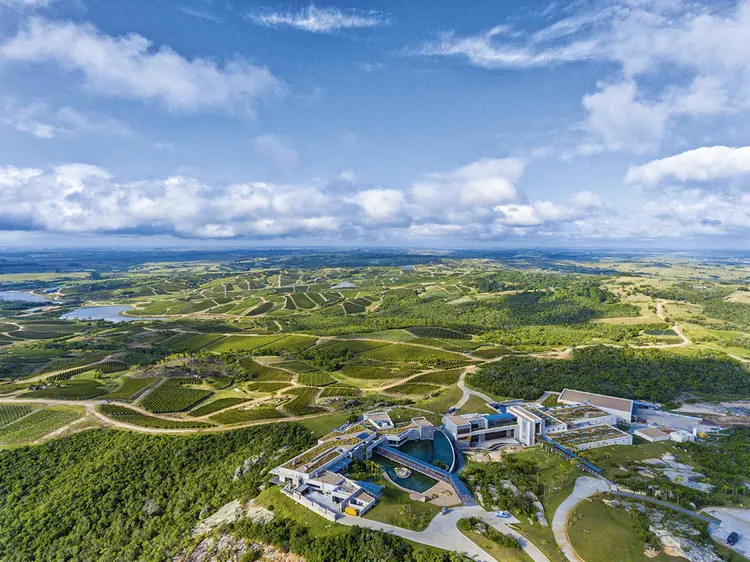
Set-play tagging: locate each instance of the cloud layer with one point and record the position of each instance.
(131, 67)
(318, 20)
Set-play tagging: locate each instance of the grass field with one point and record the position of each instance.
(172, 396)
(296, 366)
(413, 389)
(126, 415)
(340, 390)
(443, 401)
(593, 524)
(374, 372)
(396, 508)
(476, 405)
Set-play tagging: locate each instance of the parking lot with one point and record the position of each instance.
(732, 520)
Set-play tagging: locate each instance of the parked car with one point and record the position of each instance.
(733, 538)
(503, 514)
(444, 511)
(451, 410)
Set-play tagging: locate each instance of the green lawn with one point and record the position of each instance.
(476, 405)
(323, 424)
(593, 525)
(395, 508)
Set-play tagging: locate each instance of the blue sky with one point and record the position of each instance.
(613, 123)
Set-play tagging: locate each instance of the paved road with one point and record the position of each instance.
(585, 487)
(443, 533)
(467, 392)
(732, 520)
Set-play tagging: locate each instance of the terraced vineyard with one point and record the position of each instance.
(315, 379)
(70, 390)
(172, 396)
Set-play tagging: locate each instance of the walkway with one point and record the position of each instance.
(585, 487)
(429, 470)
(732, 520)
(443, 533)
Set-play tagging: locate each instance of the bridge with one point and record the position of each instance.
(430, 470)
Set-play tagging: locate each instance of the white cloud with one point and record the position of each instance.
(275, 148)
(25, 3)
(699, 165)
(319, 20)
(623, 121)
(130, 67)
(381, 205)
(701, 50)
(200, 14)
(11, 176)
(45, 122)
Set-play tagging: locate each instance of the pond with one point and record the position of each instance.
(21, 296)
(429, 451)
(108, 313)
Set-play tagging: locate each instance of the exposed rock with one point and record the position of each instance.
(230, 549)
(151, 508)
(231, 512)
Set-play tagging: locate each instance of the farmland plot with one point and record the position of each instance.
(172, 396)
(126, 415)
(130, 388)
(241, 415)
(216, 405)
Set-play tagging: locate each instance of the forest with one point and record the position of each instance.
(115, 495)
(644, 374)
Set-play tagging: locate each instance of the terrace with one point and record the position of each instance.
(568, 414)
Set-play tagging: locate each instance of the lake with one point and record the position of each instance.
(21, 296)
(108, 313)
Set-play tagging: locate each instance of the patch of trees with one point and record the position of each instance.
(355, 545)
(510, 485)
(115, 495)
(734, 312)
(478, 526)
(694, 292)
(645, 374)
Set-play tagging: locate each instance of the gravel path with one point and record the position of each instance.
(585, 487)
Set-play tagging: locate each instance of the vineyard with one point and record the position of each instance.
(315, 379)
(11, 412)
(301, 404)
(373, 372)
(130, 388)
(70, 390)
(414, 389)
(339, 390)
(238, 415)
(438, 333)
(37, 424)
(104, 367)
(449, 376)
(172, 396)
(215, 406)
(126, 415)
(266, 387)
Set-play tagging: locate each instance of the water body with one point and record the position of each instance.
(108, 313)
(21, 296)
(428, 451)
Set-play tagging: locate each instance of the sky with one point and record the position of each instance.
(428, 123)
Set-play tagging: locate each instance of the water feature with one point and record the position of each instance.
(108, 313)
(21, 296)
(429, 451)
